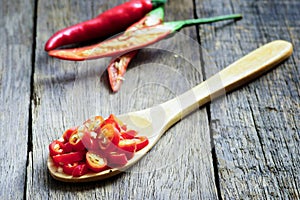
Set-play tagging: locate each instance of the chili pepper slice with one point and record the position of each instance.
(95, 162)
(89, 140)
(103, 25)
(67, 134)
(75, 141)
(128, 147)
(130, 134)
(112, 119)
(141, 142)
(66, 158)
(56, 147)
(133, 40)
(117, 67)
(68, 168)
(80, 170)
(108, 138)
(116, 159)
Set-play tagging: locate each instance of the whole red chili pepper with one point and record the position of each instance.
(132, 40)
(106, 24)
(117, 66)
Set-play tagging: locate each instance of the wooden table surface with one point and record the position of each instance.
(244, 145)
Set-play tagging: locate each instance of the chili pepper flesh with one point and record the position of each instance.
(94, 158)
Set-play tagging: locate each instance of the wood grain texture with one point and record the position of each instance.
(16, 27)
(242, 146)
(257, 141)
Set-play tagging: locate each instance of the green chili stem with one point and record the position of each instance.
(156, 3)
(158, 13)
(177, 25)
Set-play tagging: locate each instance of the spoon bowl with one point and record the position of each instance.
(154, 122)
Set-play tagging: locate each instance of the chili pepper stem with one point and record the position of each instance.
(157, 12)
(157, 3)
(177, 25)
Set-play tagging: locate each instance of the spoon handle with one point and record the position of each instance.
(235, 75)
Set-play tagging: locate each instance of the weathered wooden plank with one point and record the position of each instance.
(67, 93)
(256, 140)
(16, 38)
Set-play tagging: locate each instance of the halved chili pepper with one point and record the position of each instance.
(106, 24)
(117, 67)
(135, 40)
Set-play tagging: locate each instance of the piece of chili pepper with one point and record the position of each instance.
(133, 41)
(117, 67)
(104, 25)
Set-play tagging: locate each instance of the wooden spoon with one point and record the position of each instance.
(153, 122)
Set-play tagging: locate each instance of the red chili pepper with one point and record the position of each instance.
(130, 134)
(67, 158)
(117, 67)
(56, 147)
(108, 137)
(80, 170)
(141, 142)
(95, 146)
(67, 134)
(75, 141)
(116, 159)
(133, 40)
(68, 168)
(106, 24)
(96, 162)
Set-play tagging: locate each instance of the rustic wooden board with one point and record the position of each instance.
(242, 146)
(67, 93)
(256, 141)
(16, 28)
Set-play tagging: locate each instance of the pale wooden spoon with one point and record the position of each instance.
(153, 122)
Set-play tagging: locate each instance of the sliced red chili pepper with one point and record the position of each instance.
(68, 147)
(128, 147)
(95, 162)
(93, 123)
(56, 147)
(118, 66)
(89, 140)
(112, 119)
(66, 158)
(80, 170)
(68, 168)
(67, 134)
(130, 134)
(141, 142)
(103, 25)
(75, 141)
(116, 159)
(133, 40)
(108, 137)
